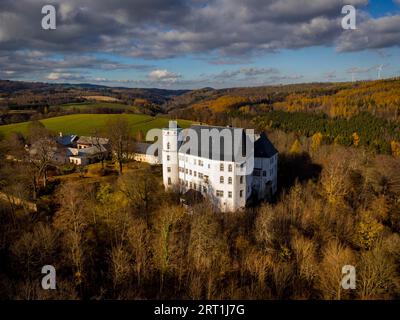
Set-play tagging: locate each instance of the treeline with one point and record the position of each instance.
(345, 100)
(363, 129)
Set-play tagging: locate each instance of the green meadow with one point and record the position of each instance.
(86, 124)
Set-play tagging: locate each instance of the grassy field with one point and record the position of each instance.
(85, 124)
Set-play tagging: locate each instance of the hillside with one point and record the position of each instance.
(85, 124)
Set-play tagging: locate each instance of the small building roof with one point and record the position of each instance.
(141, 147)
(92, 140)
(263, 147)
(67, 139)
(91, 150)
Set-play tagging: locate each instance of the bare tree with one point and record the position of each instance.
(42, 150)
(330, 270)
(142, 189)
(166, 224)
(119, 132)
(96, 141)
(72, 220)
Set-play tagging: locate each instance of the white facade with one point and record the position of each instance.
(170, 146)
(143, 157)
(218, 181)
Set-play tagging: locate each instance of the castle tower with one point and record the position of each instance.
(170, 146)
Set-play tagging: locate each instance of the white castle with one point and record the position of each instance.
(218, 176)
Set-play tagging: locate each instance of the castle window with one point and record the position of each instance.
(257, 173)
(186, 171)
(169, 181)
(264, 173)
(190, 172)
(241, 193)
(169, 169)
(230, 180)
(204, 189)
(230, 168)
(221, 167)
(168, 146)
(229, 194)
(195, 173)
(221, 179)
(241, 179)
(200, 175)
(194, 186)
(220, 193)
(191, 185)
(168, 158)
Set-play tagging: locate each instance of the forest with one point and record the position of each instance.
(114, 234)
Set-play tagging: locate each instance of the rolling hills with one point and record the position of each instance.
(85, 124)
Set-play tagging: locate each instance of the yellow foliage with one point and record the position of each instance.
(296, 147)
(221, 104)
(367, 231)
(356, 139)
(395, 149)
(316, 141)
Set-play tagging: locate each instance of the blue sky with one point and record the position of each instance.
(196, 43)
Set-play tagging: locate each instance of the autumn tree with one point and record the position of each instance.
(395, 146)
(330, 276)
(356, 139)
(296, 147)
(316, 141)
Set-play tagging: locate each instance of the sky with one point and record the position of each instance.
(189, 44)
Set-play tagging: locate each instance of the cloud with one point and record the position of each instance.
(163, 75)
(40, 64)
(377, 33)
(159, 28)
(223, 32)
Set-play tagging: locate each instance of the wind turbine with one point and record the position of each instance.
(379, 71)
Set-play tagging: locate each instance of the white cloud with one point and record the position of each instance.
(163, 75)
